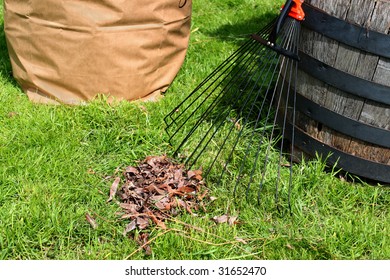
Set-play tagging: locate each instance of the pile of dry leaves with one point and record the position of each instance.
(156, 190)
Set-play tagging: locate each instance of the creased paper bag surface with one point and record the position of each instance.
(68, 51)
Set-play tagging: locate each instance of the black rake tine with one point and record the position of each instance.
(253, 132)
(293, 125)
(215, 102)
(292, 140)
(245, 122)
(273, 126)
(232, 126)
(293, 77)
(220, 123)
(238, 52)
(288, 89)
(262, 135)
(239, 113)
(277, 110)
(283, 129)
(237, 139)
(257, 120)
(236, 55)
(211, 106)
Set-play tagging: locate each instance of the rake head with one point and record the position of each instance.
(234, 124)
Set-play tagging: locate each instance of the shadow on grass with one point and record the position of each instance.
(242, 29)
(5, 64)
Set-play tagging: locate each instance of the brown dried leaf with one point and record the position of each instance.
(169, 190)
(237, 125)
(220, 219)
(232, 220)
(132, 169)
(191, 174)
(131, 226)
(289, 246)
(114, 188)
(174, 203)
(117, 170)
(12, 114)
(185, 190)
(178, 175)
(156, 221)
(108, 178)
(203, 207)
(165, 200)
(139, 191)
(163, 204)
(156, 198)
(133, 208)
(142, 108)
(143, 241)
(203, 195)
(184, 204)
(160, 205)
(174, 212)
(152, 187)
(128, 216)
(91, 221)
(195, 174)
(241, 240)
(142, 223)
(168, 206)
(153, 161)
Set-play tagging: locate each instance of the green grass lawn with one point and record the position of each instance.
(57, 163)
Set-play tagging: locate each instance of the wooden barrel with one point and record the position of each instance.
(343, 88)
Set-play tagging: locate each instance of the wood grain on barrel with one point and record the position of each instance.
(374, 15)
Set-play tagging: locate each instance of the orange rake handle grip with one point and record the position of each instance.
(296, 11)
(293, 9)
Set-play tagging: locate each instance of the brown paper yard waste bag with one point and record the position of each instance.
(68, 51)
